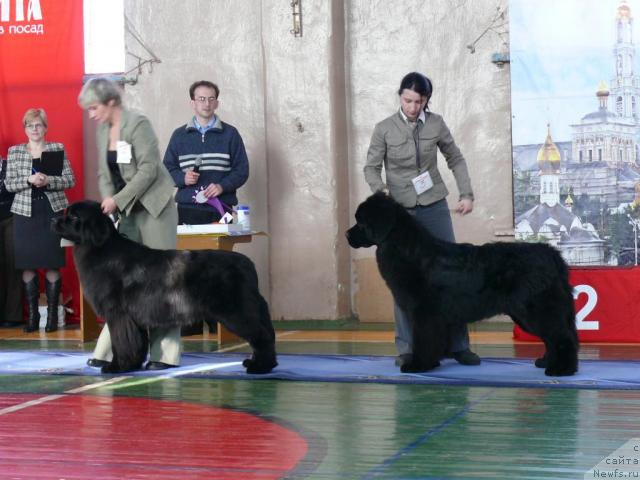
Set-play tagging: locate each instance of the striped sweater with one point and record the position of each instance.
(220, 153)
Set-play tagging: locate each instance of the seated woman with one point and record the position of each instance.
(39, 196)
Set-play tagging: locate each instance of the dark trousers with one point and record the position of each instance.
(10, 278)
(191, 215)
(437, 220)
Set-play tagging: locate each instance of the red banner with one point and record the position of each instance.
(607, 306)
(41, 66)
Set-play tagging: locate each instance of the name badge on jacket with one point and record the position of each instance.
(124, 152)
(422, 183)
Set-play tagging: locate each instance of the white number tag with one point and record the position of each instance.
(422, 182)
(124, 152)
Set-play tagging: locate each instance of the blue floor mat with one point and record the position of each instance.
(498, 372)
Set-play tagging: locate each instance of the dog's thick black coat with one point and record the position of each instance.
(134, 288)
(438, 283)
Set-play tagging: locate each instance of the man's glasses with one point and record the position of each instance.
(34, 126)
(206, 99)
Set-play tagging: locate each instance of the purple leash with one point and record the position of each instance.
(218, 205)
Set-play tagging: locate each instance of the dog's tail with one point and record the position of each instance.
(563, 274)
(562, 270)
(265, 317)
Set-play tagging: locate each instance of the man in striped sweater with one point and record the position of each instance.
(205, 154)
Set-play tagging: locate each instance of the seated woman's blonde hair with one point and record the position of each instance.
(33, 114)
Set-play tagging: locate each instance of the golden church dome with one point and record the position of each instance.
(603, 90)
(568, 201)
(549, 155)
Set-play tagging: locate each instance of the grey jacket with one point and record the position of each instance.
(392, 145)
(147, 181)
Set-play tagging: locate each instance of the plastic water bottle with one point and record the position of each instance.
(244, 219)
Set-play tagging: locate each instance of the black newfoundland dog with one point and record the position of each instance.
(134, 288)
(438, 283)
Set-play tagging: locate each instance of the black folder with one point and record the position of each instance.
(50, 163)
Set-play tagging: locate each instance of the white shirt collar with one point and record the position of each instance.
(422, 117)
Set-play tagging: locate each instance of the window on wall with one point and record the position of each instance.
(599, 154)
(104, 36)
(591, 155)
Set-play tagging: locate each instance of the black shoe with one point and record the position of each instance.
(542, 362)
(11, 324)
(466, 357)
(403, 358)
(94, 362)
(158, 366)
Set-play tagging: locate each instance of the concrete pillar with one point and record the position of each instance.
(306, 144)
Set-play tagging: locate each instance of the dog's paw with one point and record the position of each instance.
(414, 367)
(255, 367)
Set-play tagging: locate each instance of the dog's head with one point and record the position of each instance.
(375, 218)
(83, 223)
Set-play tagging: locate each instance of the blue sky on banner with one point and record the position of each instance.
(560, 51)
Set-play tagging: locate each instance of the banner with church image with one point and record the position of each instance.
(575, 76)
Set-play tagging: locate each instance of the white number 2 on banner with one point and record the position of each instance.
(592, 299)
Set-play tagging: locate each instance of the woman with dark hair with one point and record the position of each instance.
(136, 187)
(39, 196)
(406, 144)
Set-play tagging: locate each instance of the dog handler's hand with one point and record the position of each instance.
(465, 205)
(108, 206)
(213, 190)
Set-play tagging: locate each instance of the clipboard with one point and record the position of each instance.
(50, 163)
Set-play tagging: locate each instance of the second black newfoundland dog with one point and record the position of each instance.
(134, 288)
(438, 283)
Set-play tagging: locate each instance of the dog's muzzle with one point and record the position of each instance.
(357, 238)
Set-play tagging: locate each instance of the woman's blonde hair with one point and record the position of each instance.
(99, 90)
(34, 113)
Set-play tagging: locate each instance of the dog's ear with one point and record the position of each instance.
(96, 228)
(100, 234)
(379, 228)
(378, 216)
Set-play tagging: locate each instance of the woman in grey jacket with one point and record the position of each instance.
(406, 144)
(134, 185)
